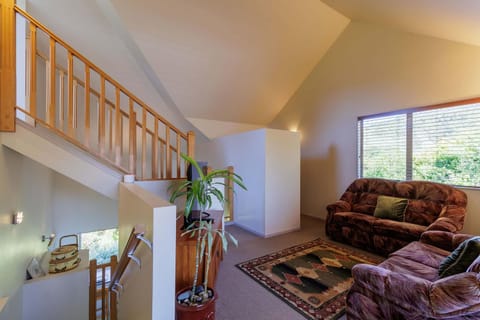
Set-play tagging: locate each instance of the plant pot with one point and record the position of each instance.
(205, 311)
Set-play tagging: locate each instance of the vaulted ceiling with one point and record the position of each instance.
(241, 61)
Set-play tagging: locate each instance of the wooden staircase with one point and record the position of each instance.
(64, 92)
(72, 97)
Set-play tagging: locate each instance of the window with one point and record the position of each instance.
(101, 244)
(438, 143)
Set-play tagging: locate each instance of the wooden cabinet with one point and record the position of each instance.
(185, 261)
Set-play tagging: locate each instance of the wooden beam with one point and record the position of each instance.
(7, 66)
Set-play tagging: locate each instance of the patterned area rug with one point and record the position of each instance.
(313, 278)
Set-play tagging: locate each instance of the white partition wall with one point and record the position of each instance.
(148, 291)
(269, 162)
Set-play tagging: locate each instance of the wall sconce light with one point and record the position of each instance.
(17, 217)
(49, 238)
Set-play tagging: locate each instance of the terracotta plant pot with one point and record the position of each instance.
(205, 311)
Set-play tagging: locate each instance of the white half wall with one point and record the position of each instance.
(148, 291)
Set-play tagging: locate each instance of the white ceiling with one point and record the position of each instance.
(237, 61)
(455, 20)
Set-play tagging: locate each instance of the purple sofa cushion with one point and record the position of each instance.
(409, 267)
(422, 253)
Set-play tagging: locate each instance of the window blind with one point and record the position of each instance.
(436, 144)
(384, 147)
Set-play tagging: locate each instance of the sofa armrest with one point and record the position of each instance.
(404, 290)
(456, 295)
(443, 239)
(450, 219)
(339, 206)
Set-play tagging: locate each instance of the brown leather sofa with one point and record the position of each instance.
(407, 285)
(431, 206)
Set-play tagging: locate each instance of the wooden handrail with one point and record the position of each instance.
(136, 236)
(122, 133)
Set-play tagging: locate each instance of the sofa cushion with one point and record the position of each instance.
(424, 212)
(460, 258)
(408, 266)
(398, 229)
(361, 221)
(422, 253)
(392, 208)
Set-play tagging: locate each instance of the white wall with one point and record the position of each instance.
(77, 208)
(371, 69)
(282, 189)
(148, 291)
(268, 161)
(24, 185)
(59, 296)
(246, 153)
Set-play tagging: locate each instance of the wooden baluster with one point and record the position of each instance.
(70, 129)
(110, 128)
(178, 155)
(154, 150)
(7, 66)
(32, 92)
(229, 194)
(118, 132)
(113, 295)
(51, 104)
(191, 144)
(144, 141)
(132, 134)
(87, 106)
(168, 153)
(103, 294)
(75, 103)
(101, 117)
(47, 89)
(61, 115)
(92, 296)
(162, 159)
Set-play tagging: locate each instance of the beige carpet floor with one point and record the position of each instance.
(240, 297)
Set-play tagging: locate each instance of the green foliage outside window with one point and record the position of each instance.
(441, 145)
(101, 244)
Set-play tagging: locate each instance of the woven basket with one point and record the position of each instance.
(65, 257)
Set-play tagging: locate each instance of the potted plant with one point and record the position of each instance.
(198, 301)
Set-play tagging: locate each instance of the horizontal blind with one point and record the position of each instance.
(446, 145)
(382, 147)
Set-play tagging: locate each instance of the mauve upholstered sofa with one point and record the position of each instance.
(407, 285)
(431, 206)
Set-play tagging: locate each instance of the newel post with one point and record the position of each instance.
(191, 144)
(7, 66)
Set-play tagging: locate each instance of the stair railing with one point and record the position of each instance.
(136, 236)
(87, 107)
(100, 299)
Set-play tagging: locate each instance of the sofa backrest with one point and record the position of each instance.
(426, 199)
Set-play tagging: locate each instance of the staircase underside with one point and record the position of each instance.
(57, 154)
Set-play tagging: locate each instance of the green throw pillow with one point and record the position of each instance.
(461, 258)
(390, 208)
